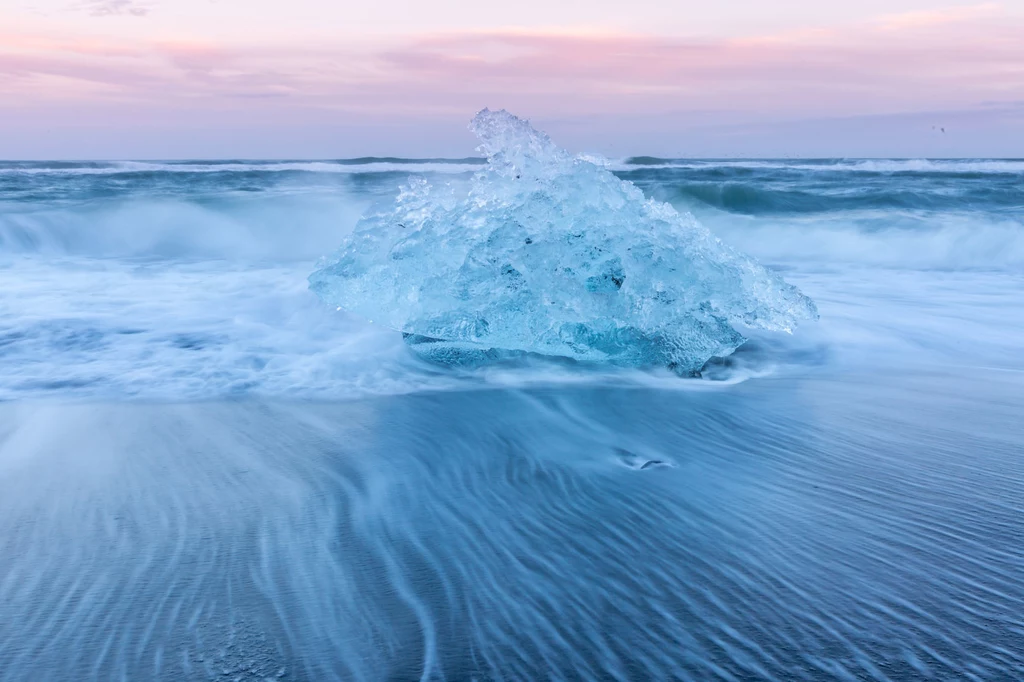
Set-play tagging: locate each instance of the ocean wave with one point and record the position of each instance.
(278, 228)
(347, 166)
(754, 196)
(285, 228)
(942, 166)
(908, 242)
(464, 165)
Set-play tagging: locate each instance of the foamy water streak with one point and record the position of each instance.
(788, 530)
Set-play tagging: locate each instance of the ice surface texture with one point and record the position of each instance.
(552, 254)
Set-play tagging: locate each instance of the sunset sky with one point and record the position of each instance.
(112, 79)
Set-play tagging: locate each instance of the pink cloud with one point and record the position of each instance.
(948, 15)
(953, 59)
(110, 8)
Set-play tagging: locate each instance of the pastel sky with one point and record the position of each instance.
(137, 79)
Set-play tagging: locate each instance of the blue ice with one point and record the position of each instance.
(549, 253)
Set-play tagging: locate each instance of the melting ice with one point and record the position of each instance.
(549, 253)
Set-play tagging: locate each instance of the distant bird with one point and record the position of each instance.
(943, 130)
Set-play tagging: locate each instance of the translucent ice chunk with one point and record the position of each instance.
(549, 253)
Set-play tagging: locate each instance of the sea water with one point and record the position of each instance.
(208, 473)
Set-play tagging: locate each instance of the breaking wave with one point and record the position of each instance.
(346, 166)
(301, 228)
(278, 228)
(954, 166)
